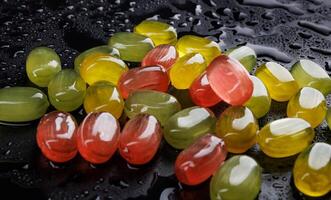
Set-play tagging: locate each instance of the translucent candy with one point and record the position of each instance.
(328, 117)
(245, 55)
(164, 55)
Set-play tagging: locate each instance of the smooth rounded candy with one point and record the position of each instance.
(132, 46)
(20, 104)
(230, 80)
(164, 55)
(140, 139)
(238, 127)
(184, 127)
(186, 70)
(309, 73)
(328, 117)
(260, 101)
(238, 178)
(42, 65)
(183, 97)
(97, 137)
(279, 81)
(245, 55)
(159, 104)
(312, 170)
(159, 32)
(195, 44)
(200, 160)
(103, 96)
(102, 67)
(56, 136)
(285, 137)
(149, 78)
(308, 104)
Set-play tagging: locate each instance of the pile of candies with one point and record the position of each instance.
(193, 66)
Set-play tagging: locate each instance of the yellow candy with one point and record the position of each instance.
(104, 97)
(194, 44)
(159, 32)
(102, 67)
(186, 69)
(278, 80)
(309, 104)
(328, 118)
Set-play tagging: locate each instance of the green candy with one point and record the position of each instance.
(183, 96)
(132, 46)
(187, 125)
(238, 178)
(66, 91)
(159, 104)
(245, 55)
(21, 104)
(328, 118)
(42, 65)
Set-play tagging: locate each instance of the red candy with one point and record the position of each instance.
(140, 139)
(151, 78)
(202, 94)
(164, 55)
(230, 80)
(97, 137)
(200, 160)
(56, 136)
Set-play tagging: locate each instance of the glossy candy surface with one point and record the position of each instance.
(238, 178)
(186, 69)
(132, 46)
(278, 80)
(66, 91)
(312, 170)
(238, 127)
(200, 160)
(230, 80)
(159, 104)
(183, 97)
(184, 127)
(164, 55)
(328, 118)
(42, 65)
(245, 55)
(104, 97)
(56, 136)
(308, 104)
(20, 104)
(97, 137)
(149, 78)
(309, 73)
(140, 139)
(285, 137)
(159, 32)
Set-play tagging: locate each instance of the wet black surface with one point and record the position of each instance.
(280, 30)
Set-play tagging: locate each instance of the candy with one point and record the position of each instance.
(150, 78)
(159, 32)
(20, 104)
(103, 96)
(97, 137)
(202, 94)
(237, 126)
(184, 127)
(164, 55)
(328, 117)
(285, 137)
(229, 80)
(260, 101)
(309, 73)
(245, 55)
(278, 80)
(312, 170)
(200, 160)
(186, 70)
(238, 178)
(132, 46)
(159, 104)
(56, 136)
(140, 139)
(195, 44)
(309, 104)
(183, 97)
(66, 91)
(102, 67)
(42, 65)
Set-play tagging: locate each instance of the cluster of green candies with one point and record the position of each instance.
(201, 76)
